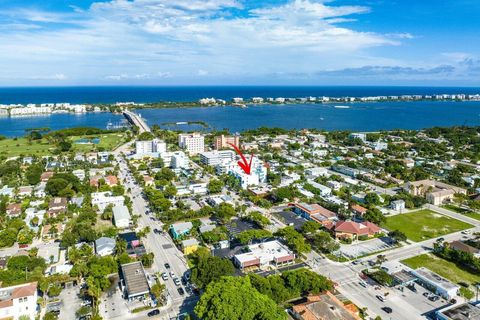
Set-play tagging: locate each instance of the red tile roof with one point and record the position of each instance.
(359, 208)
(364, 228)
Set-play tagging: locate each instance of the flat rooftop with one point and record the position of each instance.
(434, 278)
(135, 279)
(464, 311)
(266, 251)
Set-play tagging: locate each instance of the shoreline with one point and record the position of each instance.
(118, 108)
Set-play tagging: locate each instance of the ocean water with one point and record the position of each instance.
(185, 93)
(358, 117)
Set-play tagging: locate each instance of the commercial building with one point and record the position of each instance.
(314, 212)
(213, 158)
(436, 283)
(18, 301)
(464, 311)
(121, 216)
(222, 142)
(435, 192)
(322, 307)
(271, 253)
(354, 230)
(134, 281)
(194, 143)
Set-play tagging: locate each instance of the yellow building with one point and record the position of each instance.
(189, 246)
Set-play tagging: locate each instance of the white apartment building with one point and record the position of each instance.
(194, 143)
(213, 158)
(207, 101)
(257, 176)
(179, 160)
(29, 110)
(150, 147)
(175, 160)
(103, 199)
(18, 301)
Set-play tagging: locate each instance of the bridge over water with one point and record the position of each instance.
(137, 121)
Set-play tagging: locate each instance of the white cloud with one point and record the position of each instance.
(127, 39)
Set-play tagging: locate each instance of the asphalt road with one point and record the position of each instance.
(163, 248)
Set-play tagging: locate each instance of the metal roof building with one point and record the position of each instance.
(134, 280)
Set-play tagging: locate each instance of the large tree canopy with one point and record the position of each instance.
(234, 298)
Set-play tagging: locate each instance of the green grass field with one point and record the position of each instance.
(454, 208)
(443, 267)
(424, 224)
(22, 146)
(473, 215)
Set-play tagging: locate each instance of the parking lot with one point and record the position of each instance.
(362, 248)
(238, 225)
(112, 305)
(290, 219)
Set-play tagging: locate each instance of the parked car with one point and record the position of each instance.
(387, 309)
(167, 266)
(426, 294)
(153, 313)
(172, 274)
(434, 298)
(176, 281)
(181, 291)
(164, 276)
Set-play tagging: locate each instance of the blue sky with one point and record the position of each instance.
(229, 42)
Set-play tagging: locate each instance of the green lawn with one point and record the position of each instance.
(465, 212)
(473, 215)
(108, 141)
(443, 267)
(424, 224)
(21, 146)
(454, 208)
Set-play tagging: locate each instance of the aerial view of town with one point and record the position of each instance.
(239, 160)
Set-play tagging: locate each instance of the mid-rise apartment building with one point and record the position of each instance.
(194, 143)
(222, 142)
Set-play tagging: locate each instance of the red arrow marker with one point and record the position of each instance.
(246, 166)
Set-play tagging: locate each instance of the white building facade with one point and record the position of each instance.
(194, 143)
